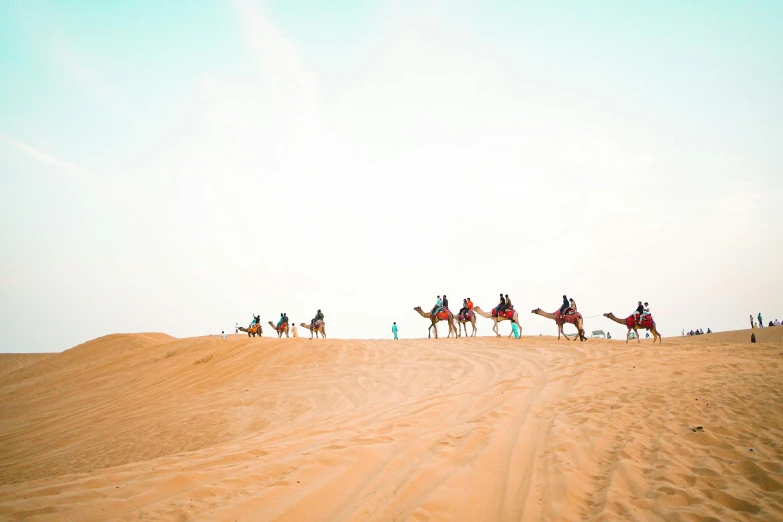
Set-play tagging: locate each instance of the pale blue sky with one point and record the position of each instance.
(177, 167)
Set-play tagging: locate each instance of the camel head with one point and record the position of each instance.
(535, 311)
(610, 314)
(418, 309)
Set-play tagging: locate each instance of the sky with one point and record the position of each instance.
(178, 167)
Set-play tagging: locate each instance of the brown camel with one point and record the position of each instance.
(496, 320)
(574, 319)
(283, 329)
(630, 323)
(435, 319)
(464, 323)
(320, 327)
(253, 330)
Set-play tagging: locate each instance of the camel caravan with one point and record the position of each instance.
(317, 326)
(504, 311)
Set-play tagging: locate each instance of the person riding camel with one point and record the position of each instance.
(285, 317)
(464, 310)
(645, 311)
(319, 316)
(509, 306)
(256, 318)
(437, 307)
(564, 307)
(280, 322)
(501, 306)
(572, 304)
(638, 313)
(445, 302)
(470, 305)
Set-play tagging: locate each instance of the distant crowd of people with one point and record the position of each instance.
(697, 331)
(760, 323)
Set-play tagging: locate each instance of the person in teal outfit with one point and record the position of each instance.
(514, 330)
(394, 330)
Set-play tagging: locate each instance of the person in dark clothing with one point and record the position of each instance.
(464, 309)
(501, 305)
(285, 317)
(445, 302)
(638, 313)
(318, 317)
(564, 306)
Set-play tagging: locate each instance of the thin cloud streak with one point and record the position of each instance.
(43, 157)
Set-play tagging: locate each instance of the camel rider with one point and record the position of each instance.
(638, 313)
(501, 306)
(646, 311)
(437, 307)
(470, 305)
(572, 304)
(508, 303)
(564, 307)
(318, 317)
(253, 321)
(282, 316)
(285, 317)
(464, 310)
(445, 302)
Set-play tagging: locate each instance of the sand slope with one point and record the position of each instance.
(147, 426)
(10, 362)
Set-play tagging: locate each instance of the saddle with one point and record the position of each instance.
(318, 324)
(444, 314)
(467, 316)
(508, 313)
(283, 326)
(570, 317)
(646, 322)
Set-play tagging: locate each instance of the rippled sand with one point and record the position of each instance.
(147, 426)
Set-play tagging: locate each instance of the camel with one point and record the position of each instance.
(434, 319)
(283, 329)
(464, 323)
(630, 323)
(320, 326)
(496, 320)
(253, 330)
(574, 319)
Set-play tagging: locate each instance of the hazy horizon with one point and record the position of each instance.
(171, 169)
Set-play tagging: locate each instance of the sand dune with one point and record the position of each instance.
(10, 362)
(147, 426)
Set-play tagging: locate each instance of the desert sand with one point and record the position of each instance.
(150, 427)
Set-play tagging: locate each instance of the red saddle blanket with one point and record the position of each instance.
(570, 317)
(318, 324)
(282, 327)
(444, 314)
(508, 313)
(467, 316)
(647, 321)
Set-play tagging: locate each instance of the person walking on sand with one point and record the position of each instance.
(514, 330)
(294, 331)
(751, 320)
(394, 330)
(761, 323)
